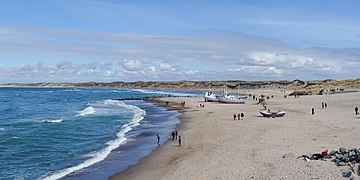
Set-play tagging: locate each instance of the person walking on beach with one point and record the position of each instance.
(179, 140)
(325, 105)
(158, 139)
(312, 111)
(242, 116)
(356, 110)
(234, 116)
(173, 135)
(238, 116)
(322, 105)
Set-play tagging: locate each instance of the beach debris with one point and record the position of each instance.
(288, 155)
(343, 157)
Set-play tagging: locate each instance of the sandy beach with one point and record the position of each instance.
(214, 146)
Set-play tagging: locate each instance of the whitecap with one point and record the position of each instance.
(2, 129)
(87, 111)
(103, 153)
(54, 121)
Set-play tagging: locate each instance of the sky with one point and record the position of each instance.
(200, 40)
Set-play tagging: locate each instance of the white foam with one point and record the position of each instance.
(163, 92)
(54, 121)
(102, 154)
(2, 129)
(87, 111)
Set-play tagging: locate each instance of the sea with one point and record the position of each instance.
(79, 133)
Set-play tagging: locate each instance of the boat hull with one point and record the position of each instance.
(232, 101)
(209, 99)
(273, 115)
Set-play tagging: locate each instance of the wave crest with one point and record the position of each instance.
(111, 145)
(54, 121)
(87, 111)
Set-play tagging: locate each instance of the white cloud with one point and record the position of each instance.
(108, 73)
(273, 71)
(66, 64)
(166, 67)
(258, 70)
(132, 65)
(173, 57)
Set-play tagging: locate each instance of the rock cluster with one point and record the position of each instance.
(342, 157)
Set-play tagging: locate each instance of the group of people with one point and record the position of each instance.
(324, 105)
(182, 104)
(201, 105)
(174, 135)
(239, 116)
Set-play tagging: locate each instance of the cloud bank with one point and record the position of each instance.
(207, 55)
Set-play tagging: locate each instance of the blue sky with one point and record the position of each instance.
(93, 40)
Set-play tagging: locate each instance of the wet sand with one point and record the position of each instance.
(214, 146)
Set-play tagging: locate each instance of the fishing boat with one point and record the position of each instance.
(231, 99)
(210, 97)
(267, 113)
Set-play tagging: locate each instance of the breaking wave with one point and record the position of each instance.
(111, 145)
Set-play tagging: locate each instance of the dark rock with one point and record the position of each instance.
(336, 161)
(339, 157)
(332, 153)
(347, 174)
(356, 151)
(357, 158)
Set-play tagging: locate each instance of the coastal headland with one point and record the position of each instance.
(215, 146)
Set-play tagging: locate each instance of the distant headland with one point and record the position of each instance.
(297, 87)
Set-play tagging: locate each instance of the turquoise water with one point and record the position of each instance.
(48, 133)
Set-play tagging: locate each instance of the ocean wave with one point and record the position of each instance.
(74, 89)
(105, 107)
(54, 121)
(145, 91)
(2, 129)
(111, 145)
(87, 111)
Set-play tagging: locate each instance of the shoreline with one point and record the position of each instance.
(161, 150)
(216, 147)
(140, 142)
